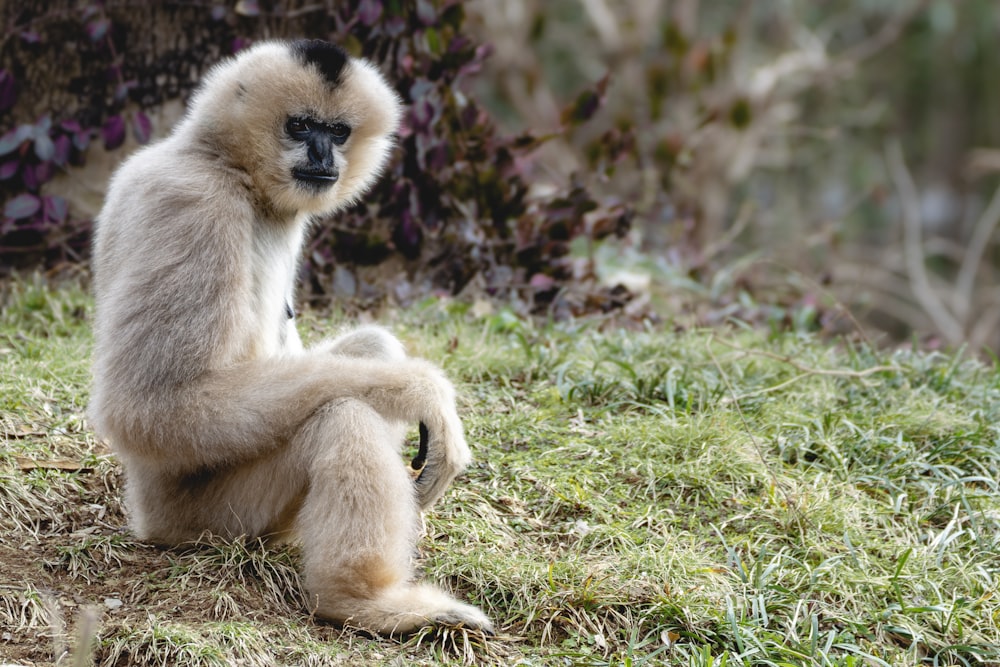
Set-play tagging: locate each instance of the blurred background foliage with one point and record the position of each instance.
(789, 161)
(792, 162)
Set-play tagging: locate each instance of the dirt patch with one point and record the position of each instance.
(66, 555)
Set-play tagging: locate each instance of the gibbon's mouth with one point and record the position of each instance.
(316, 178)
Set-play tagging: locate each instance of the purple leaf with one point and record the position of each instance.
(121, 92)
(29, 178)
(540, 281)
(30, 37)
(56, 208)
(218, 12)
(8, 169)
(407, 236)
(44, 148)
(458, 44)
(436, 156)
(61, 154)
(142, 128)
(81, 140)
(586, 104)
(44, 172)
(248, 8)
(22, 206)
(395, 26)
(369, 11)
(426, 13)
(13, 139)
(98, 28)
(113, 132)
(8, 93)
(70, 125)
(421, 115)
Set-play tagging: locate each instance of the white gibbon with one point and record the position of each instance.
(223, 422)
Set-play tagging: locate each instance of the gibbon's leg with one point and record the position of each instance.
(376, 342)
(359, 524)
(241, 413)
(372, 342)
(255, 499)
(342, 487)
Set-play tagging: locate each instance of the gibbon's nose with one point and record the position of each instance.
(321, 152)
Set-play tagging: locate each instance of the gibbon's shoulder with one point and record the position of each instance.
(161, 166)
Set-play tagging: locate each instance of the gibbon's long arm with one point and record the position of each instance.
(274, 397)
(235, 414)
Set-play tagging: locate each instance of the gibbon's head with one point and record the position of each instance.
(310, 125)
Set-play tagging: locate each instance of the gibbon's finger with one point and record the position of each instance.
(421, 458)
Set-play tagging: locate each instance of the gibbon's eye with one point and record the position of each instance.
(297, 128)
(340, 132)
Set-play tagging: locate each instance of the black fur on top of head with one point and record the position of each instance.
(328, 58)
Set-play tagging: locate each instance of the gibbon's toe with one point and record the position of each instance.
(402, 610)
(467, 617)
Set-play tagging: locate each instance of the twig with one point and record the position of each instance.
(302, 11)
(808, 370)
(768, 390)
(603, 20)
(981, 235)
(985, 326)
(920, 283)
(743, 218)
(887, 34)
(841, 306)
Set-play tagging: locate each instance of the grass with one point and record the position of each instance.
(727, 497)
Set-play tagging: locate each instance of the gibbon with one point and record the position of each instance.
(222, 421)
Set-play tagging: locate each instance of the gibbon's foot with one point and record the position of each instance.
(403, 610)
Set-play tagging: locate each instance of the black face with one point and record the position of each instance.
(320, 169)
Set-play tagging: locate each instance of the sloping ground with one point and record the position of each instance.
(638, 498)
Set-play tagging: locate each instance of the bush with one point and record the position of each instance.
(457, 211)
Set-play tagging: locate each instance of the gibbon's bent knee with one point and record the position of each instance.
(200, 379)
(369, 342)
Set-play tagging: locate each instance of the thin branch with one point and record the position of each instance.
(809, 370)
(981, 235)
(986, 325)
(890, 31)
(920, 283)
(302, 11)
(603, 20)
(743, 218)
(769, 390)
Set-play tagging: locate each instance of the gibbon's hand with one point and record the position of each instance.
(443, 454)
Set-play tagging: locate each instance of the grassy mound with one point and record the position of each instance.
(695, 498)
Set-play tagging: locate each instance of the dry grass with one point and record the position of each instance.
(698, 498)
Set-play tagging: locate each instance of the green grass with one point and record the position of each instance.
(728, 497)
